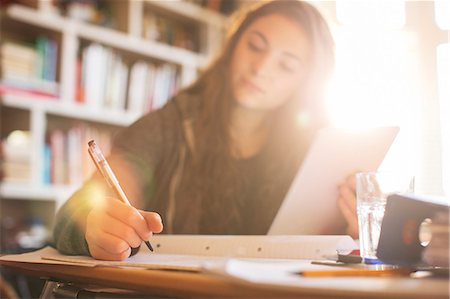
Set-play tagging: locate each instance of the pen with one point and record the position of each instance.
(107, 173)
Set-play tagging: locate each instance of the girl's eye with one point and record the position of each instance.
(257, 47)
(289, 65)
(256, 43)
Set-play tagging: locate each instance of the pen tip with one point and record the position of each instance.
(149, 245)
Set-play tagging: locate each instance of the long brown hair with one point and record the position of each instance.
(212, 151)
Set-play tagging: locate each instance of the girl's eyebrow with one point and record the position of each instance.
(260, 35)
(286, 53)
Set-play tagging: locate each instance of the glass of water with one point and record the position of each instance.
(372, 190)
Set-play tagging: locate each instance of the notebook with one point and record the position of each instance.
(310, 205)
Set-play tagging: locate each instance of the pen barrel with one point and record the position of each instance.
(108, 174)
(121, 194)
(106, 171)
(113, 182)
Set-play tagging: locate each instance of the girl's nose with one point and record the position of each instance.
(262, 65)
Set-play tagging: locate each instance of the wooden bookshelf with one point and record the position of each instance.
(42, 113)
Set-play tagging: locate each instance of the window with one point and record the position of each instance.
(443, 71)
(366, 13)
(386, 74)
(442, 14)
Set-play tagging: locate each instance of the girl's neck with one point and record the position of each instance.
(248, 131)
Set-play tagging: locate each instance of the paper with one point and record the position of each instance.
(143, 259)
(332, 157)
(283, 275)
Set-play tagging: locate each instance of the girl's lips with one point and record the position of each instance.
(250, 85)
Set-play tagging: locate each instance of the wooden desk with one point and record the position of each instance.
(196, 285)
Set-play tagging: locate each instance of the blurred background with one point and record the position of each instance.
(74, 70)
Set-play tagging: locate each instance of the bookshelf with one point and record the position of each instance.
(51, 114)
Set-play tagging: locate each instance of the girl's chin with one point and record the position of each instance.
(247, 103)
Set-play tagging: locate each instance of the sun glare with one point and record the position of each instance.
(374, 14)
(373, 79)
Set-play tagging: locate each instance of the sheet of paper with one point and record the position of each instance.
(36, 257)
(284, 275)
(143, 259)
(334, 154)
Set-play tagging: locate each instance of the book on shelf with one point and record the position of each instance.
(166, 84)
(102, 78)
(89, 11)
(220, 6)
(66, 161)
(94, 74)
(47, 50)
(151, 86)
(46, 161)
(137, 92)
(169, 31)
(13, 88)
(58, 166)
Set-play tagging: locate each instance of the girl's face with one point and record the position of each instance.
(270, 63)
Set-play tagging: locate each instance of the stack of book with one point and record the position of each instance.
(17, 157)
(29, 67)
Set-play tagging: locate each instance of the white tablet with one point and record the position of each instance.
(310, 205)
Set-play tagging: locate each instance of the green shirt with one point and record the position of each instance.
(157, 149)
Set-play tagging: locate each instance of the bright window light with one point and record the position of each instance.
(371, 13)
(374, 85)
(442, 13)
(443, 69)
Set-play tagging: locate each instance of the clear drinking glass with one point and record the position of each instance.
(372, 190)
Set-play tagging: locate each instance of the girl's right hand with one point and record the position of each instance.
(114, 228)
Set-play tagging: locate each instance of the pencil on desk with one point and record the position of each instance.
(357, 272)
(107, 173)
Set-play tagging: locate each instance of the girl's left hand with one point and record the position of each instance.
(347, 205)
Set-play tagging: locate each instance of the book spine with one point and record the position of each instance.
(65, 159)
